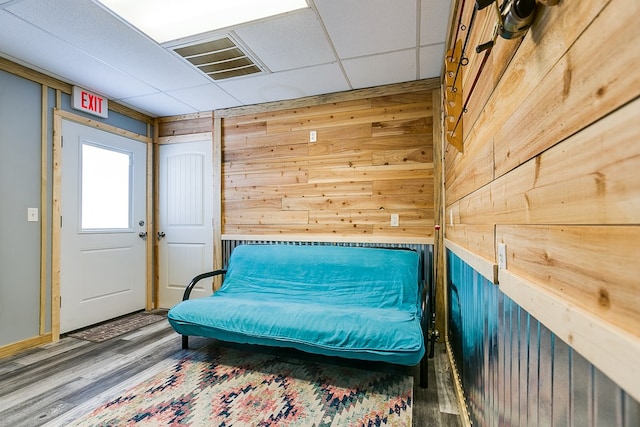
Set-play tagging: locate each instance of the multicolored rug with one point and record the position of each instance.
(228, 387)
(115, 328)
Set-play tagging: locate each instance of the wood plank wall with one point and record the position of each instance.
(551, 161)
(184, 128)
(373, 158)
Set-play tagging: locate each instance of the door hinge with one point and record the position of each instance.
(61, 141)
(60, 302)
(60, 221)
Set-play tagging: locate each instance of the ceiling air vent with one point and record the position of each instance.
(219, 59)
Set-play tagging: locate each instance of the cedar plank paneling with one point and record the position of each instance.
(185, 125)
(299, 113)
(392, 202)
(421, 125)
(592, 86)
(555, 31)
(300, 232)
(416, 110)
(551, 167)
(477, 238)
(299, 190)
(262, 216)
(417, 218)
(264, 178)
(371, 173)
(373, 157)
(602, 282)
(569, 184)
(470, 170)
(277, 152)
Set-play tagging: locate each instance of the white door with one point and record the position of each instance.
(185, 247)
(103, 204)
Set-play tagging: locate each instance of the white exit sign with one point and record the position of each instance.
(89, 102)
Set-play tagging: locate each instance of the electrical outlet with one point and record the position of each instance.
(313, 136)
(395, 220)
(32, 214)
(502, 256)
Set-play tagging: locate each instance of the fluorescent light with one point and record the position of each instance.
(165, 20)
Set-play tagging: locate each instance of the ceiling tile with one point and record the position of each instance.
(205, 98)
(364, 27)
(376, 70)
(287, 84)
(92, 29)
(434, 21)
(83, 43)
(159, 104)
(431, 61)
(289, 41)
(37, 49)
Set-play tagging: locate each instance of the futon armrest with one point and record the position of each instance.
(187, 291)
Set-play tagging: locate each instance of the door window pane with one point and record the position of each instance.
(106, 184)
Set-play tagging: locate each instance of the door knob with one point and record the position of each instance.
(161, 234)
(142, 234)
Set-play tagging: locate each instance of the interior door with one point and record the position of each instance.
(103, 205)
(185, 246)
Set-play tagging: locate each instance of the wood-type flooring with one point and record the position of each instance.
(56, 383)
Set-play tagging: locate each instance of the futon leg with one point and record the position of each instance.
(185, 342)
(424, 373)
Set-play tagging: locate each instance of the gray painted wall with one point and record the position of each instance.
(20, 182)
(20, 188)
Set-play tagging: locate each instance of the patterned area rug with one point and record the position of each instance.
(228, 387)
(117, 327)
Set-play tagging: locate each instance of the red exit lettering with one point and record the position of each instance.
(91, 102)
(88, 102)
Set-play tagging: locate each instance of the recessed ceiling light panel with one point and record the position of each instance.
(166, 20)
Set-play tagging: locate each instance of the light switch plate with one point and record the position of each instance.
(395, 220)
(32, 214)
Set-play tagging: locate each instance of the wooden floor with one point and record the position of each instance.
(59, 382)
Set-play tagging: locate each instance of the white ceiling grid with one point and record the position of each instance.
(335, 45)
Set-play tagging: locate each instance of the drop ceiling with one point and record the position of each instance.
(332, 46)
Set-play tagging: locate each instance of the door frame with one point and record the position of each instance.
(58, 116)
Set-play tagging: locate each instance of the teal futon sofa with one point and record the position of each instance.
(352, 302)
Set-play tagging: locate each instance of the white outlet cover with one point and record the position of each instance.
(32, 214)
(313, 136)
(502, 256)
(395, 220)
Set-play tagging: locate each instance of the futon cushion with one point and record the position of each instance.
(346, 301)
